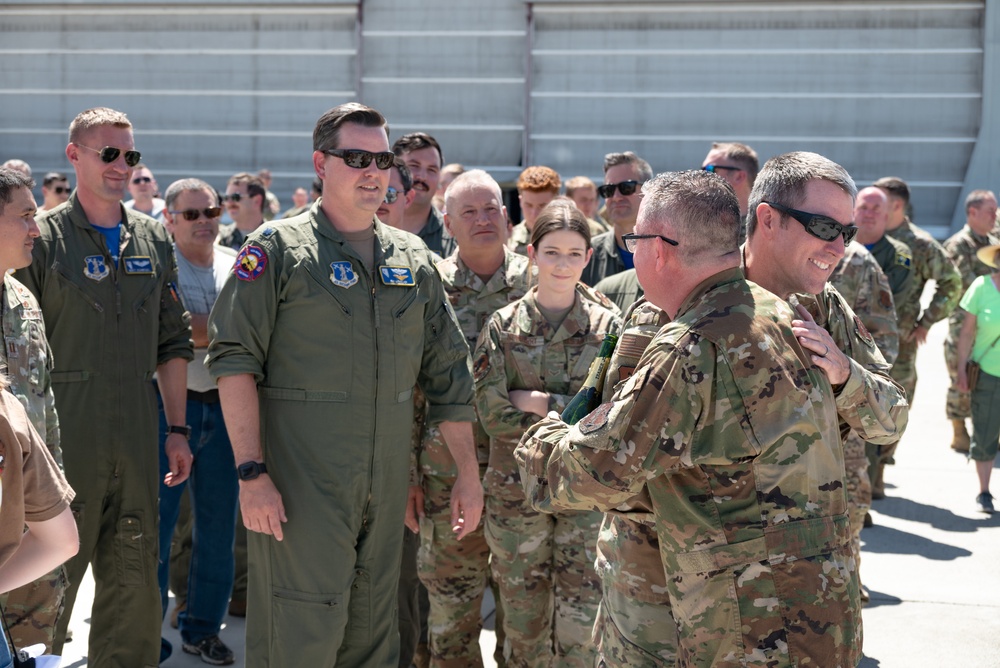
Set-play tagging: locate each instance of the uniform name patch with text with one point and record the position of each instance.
(139, 265)
(250, 263)
(396, 275)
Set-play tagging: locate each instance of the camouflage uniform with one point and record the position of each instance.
(706, 490)
(864, 286)
(961, 248)
(543, 563)
(31, 611)
(455, 572)
(519, 239)
(930, 261)
(635, 626)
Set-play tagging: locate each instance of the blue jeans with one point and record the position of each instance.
(214, 491)
(6, 660)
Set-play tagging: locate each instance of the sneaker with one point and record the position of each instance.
(211, 650)
(166, 649)
(985, 501)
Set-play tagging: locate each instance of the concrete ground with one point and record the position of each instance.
(932, 561)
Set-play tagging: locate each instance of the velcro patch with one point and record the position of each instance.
(250, 263)
(863, 332)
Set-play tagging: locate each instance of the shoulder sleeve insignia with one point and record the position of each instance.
(903, 259)
(250, 263)
(863, 332)
(595, 419)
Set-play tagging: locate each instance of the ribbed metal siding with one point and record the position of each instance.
(882, 88)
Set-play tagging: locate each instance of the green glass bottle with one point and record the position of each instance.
(589, 396)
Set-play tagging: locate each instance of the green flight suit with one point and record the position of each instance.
(109, 329)
(336, 351)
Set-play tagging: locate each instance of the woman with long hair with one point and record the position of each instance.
(532, 357)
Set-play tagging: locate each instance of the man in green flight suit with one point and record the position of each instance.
(317, 340)
(105, 278)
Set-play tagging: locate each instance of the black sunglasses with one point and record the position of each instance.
(359, 159)
(62, 190)
(626, 188)
(716, 168)
(141, 179)
(235, 197)
(630, 240)
(821, 227)
(109, 154)
(391, 194)
(195, 214)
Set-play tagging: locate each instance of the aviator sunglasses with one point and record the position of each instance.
(821, 227)
(195, 214)
(359, 159)
(626, 188)
(62, 190)
(391, 194)
(109, 154)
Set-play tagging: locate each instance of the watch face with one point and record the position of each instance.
(248, 471)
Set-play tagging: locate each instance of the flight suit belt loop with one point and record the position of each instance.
(782, 542)
(288, 394)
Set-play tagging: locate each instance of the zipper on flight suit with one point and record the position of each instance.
(371, 462)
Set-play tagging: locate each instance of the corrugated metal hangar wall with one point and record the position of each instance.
(901, 88)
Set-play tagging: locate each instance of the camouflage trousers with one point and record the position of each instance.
(549, 590)
(958, 405)
(31, 611)
(859, 489)
(630, 633)
(455, 574)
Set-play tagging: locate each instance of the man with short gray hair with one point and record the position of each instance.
(192, 218)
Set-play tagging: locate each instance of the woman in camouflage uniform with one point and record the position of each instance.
(531, 358)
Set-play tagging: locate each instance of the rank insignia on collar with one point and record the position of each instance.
(342, 274)
(396, 275)
(138, 264)
(250, 263)
(95, 268)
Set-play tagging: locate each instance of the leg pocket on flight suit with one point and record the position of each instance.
(305, 621)
(360, 613)
(131, 553)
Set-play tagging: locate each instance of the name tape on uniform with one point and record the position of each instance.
(396, 275)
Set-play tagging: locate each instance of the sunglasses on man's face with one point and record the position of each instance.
(109, 154)
(391, 195)
(141, 179)
(235, 197)
(821, 227)
(626, 188)
(715, 168)
(359, 159)
(195, 214)
(62, 190)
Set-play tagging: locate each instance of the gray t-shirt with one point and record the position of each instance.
(199, 287)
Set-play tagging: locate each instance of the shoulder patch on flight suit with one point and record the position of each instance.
(342, 274)
(863, 332)
(396, 275)
(95, 268)
(139, 264)
(250, 263)
(903, 259)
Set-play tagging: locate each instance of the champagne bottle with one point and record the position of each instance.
(589, 396)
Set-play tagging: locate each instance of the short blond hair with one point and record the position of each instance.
(95, 118)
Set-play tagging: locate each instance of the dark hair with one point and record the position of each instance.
(416, 141)
(894, 186)
(404, 174)
(52, 177)
(326, 134)
(628, 158)
(254, 185)
(742, 155)
(317, 186)
(560, 214)
(11, 180)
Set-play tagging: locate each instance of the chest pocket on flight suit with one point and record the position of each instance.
(81, 305)
(409, 305)
(146, 309)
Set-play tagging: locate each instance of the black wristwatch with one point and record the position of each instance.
(184, 430)
(251, 470)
